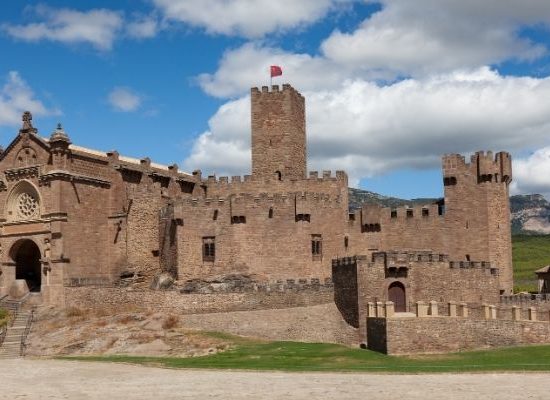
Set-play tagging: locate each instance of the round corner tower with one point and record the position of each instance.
(278, 133)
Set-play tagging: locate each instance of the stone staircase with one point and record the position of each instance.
(13, 345)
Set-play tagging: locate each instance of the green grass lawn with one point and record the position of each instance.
(529, 253)
(293, 356)
(4, 315)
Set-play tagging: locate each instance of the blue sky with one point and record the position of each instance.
(389, 86)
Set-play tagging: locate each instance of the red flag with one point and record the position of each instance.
(276, 71)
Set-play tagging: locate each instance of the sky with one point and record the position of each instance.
(390, 85)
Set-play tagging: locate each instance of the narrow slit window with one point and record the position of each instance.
(317, 247)
(208, 248)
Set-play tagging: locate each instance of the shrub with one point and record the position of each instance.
(4, 315)
(170, 322)
(74, 312)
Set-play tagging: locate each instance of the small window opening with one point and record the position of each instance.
(449, 181)
(425, 212)
(468, 257)
(209, 248)
(215, 216)
(371, 228)
(410, 213)
(393, 214)
(238, 219)
(317, 247)
(351, 217)
(346, 242)
(279, 175)
(303, 217)
(271, 212)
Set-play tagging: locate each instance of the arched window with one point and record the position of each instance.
(23, 202)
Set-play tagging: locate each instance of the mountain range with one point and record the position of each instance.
(530, 213)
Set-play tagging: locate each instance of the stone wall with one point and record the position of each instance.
(447, 334)
(473, 224)
(425, 277)
(271, 240)
(278, 133)
(175, 302)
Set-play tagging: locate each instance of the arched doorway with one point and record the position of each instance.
(26, 256)
(396, 294)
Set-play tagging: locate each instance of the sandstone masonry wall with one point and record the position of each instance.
(445, 334)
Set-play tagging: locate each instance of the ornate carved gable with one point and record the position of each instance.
(27, 150)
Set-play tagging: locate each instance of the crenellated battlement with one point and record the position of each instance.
(483, 165)
(275, 90)
(407, 258)
(314, 176)
(374, 214)
(264, 199)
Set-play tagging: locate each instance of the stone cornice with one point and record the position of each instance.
(14, 174)
(69, 176)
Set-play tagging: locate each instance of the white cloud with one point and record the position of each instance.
(124, 99)
(368, 129)
(143, 27)
(98, 27)
(225, 148)
(248, 18)
(249, 64)
(424, 36)
(16, 97)
(532, 174)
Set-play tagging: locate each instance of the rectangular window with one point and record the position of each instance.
(317, 247)
(303, 217)
(238, 219)
(393, 214)
(208, 248)
(410, 213)
(425, 212)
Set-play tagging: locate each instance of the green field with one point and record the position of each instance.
(292, 356)
(529, 253)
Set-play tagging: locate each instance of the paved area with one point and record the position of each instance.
(48, 379)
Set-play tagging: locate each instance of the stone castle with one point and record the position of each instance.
(76, 218)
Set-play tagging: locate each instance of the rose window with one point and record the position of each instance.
(27, 206)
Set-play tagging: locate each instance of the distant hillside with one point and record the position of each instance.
(357, 197)
(530, 213)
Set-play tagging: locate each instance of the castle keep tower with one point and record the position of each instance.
(278, 133)
(478, 210)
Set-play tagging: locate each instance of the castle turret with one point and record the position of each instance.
(278, 133)
(478, 209)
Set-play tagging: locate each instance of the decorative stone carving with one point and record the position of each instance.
(27, 206)
(23, 203)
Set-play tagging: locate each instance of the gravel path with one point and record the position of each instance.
(49, 379)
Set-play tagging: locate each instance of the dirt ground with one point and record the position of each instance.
(51, 379)
(136, 332)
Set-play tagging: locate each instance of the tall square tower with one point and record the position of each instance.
(278, 133)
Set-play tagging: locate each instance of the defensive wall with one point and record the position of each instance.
(435, 327)
(205, 297)
(266, 235)
(421, 276)
(471, 223)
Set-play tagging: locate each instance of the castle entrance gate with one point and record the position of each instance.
(396, 294)
(26, 255)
